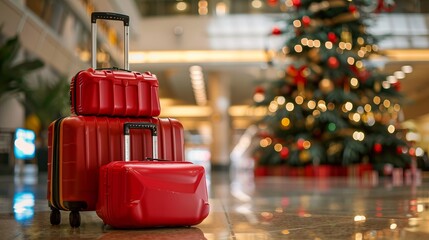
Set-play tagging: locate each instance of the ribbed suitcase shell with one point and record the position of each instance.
(80, 145)
(116, 93)
(138, 194)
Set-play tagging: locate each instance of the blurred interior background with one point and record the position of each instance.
(209, 56)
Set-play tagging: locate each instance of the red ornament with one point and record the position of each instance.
(284, 153)
(396, 85)
(272, 3)
(306, 20)
(264, 134)
(333, 62)
(298, 75)
(332, 37)
(412, 152)
(352, 8)
(362, 74)
(300, 144)
(259, 89)
(378, 148)
(276, 31)
(296, 3)
(399, 150)
(385, 5)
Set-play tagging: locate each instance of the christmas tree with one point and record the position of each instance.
(332, 106)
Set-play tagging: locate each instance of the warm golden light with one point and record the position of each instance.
(311, 104)
(297, 23)
(306, 144)
(322, 106)
(377, 100)
(354, 82)
(285, 122)
(264, 143)
(317, 43)
(397, 107)
(304, 41)
(290, 106)
(316, 113)
(259, 97)
(386, 103)
(367, 108)
(273, 107)
(359, 64)
(281, 100)
(256, 4)
(298, 48)
(348, 46)
(181, 6)
(358, 136)
(348, 106)
(200, 56)
(391, 128)
(299, 100)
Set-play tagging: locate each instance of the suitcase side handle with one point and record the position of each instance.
(115, 17)
(140, 125)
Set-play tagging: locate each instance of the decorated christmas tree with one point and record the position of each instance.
(332, 106)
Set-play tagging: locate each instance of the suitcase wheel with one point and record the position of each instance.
(55, 216)
(74, 219)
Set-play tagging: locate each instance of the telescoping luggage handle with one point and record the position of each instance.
(140, 125)
(109, 16)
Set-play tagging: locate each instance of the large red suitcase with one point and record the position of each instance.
(114, 92)
(79, 145)
(137, 194)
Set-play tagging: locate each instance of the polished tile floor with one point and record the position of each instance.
(244, 207)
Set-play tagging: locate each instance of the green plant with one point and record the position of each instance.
(48, 100)
(12, 73)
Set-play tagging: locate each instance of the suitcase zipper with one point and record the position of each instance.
(55, 181)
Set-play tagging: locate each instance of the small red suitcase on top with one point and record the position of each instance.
(114, 92)
(137, 194)
(80, 145)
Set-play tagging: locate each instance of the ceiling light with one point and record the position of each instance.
(399, 74)
(198, 85)
(221, 9)
(256, 3)
(181, 6)
(407, 69)
(391, 79)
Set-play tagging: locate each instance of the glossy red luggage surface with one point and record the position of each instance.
(113, 92)
(79, 145)
(139, 194)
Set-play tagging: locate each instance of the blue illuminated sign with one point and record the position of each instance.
(23, 206)
(24, 143)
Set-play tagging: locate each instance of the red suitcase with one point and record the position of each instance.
(114, 92)
(79, 145)
(137, 194)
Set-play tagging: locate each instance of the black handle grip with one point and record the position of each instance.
(142, 125)
(110, 16)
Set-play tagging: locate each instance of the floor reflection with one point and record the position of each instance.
(245, 207)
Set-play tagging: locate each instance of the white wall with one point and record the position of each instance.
(12, 113)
